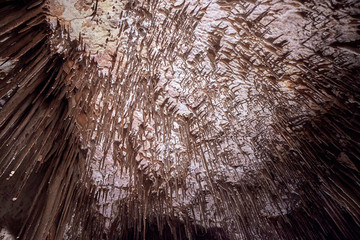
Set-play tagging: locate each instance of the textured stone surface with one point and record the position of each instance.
(6, 235)
(231, 117)
(197, 106)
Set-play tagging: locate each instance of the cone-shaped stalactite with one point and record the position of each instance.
(206, 124)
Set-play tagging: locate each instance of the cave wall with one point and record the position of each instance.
(256, 137)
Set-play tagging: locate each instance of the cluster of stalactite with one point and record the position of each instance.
(282, 164)
(43, 176)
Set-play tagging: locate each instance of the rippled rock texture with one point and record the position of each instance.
(180, 119)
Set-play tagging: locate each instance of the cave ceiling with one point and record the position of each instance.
(190, 119)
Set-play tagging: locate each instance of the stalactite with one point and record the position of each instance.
(237, 134)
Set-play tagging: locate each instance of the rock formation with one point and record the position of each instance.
(190, 119)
